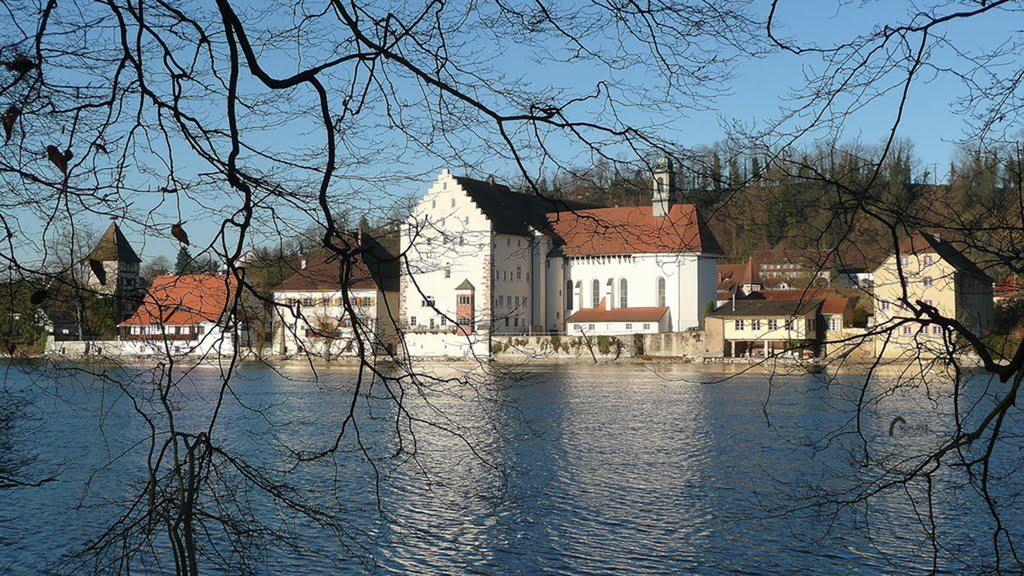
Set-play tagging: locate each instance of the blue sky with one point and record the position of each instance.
(756, 95)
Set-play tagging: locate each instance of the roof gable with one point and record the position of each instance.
(925, 243)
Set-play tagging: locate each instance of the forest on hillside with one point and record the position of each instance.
(764, 200)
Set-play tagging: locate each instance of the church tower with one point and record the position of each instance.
(114, 270)
(664, 193)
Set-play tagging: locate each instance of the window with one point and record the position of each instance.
(885, 305)
(904, 260)
(623, 300)
(433, 203)
(431, 323)
(519, 272)
(927, 281)
(789, 323)
(927, 259)
(595, 297)
(773, 324)
(590, 326)
(517, 301)
(453, 202)
(661, 292)
(508, 241)
(739, 325)
(412, 320)
(447, 271)
(906, 330)
(428, 301)
(307, 301)
(506, 321)
(464, 300)
(629, 326)
(833, 323)
(568, 294)
(647, 326)
(516, 321)
(501, 299)
(755, 324)
(936, 330)
(443, 321)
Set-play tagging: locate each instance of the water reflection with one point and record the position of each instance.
(564, 469)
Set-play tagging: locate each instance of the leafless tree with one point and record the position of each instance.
(168, 114)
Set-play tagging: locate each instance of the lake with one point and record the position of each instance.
(561, 469)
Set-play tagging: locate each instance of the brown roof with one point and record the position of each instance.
(748, 308)
(633, 230)
(184, 299)
(640, 314)
(836, 305)
(730, 275)
(369, 270)
(114, 247)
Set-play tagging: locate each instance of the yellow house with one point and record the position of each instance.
(763, 328)
(934, 273)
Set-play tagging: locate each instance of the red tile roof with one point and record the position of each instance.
(183, 300)
(835, 305)
(633, 230)
(639, 314)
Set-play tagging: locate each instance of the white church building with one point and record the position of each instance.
(481, 259)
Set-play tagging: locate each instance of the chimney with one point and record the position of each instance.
(302, 264)
(490, 179)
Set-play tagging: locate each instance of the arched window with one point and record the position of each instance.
(610, 293)
(595, 297)
(568, 294)
(623, 300)
(661, 292)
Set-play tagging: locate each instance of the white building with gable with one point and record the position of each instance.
(480, 259)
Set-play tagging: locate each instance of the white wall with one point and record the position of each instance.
(554, 278)
(511, 294)
(690, 282)
(618, 328)
(292, 318)
(447, 345)
(446, 240)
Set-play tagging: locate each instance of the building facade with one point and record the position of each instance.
(482, 259)
(310, 317)
(187, 314)
(936, 274)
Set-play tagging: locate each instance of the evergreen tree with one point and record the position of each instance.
(183, 264)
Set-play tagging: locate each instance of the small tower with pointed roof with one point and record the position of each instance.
(664, 192)
(114, 270)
